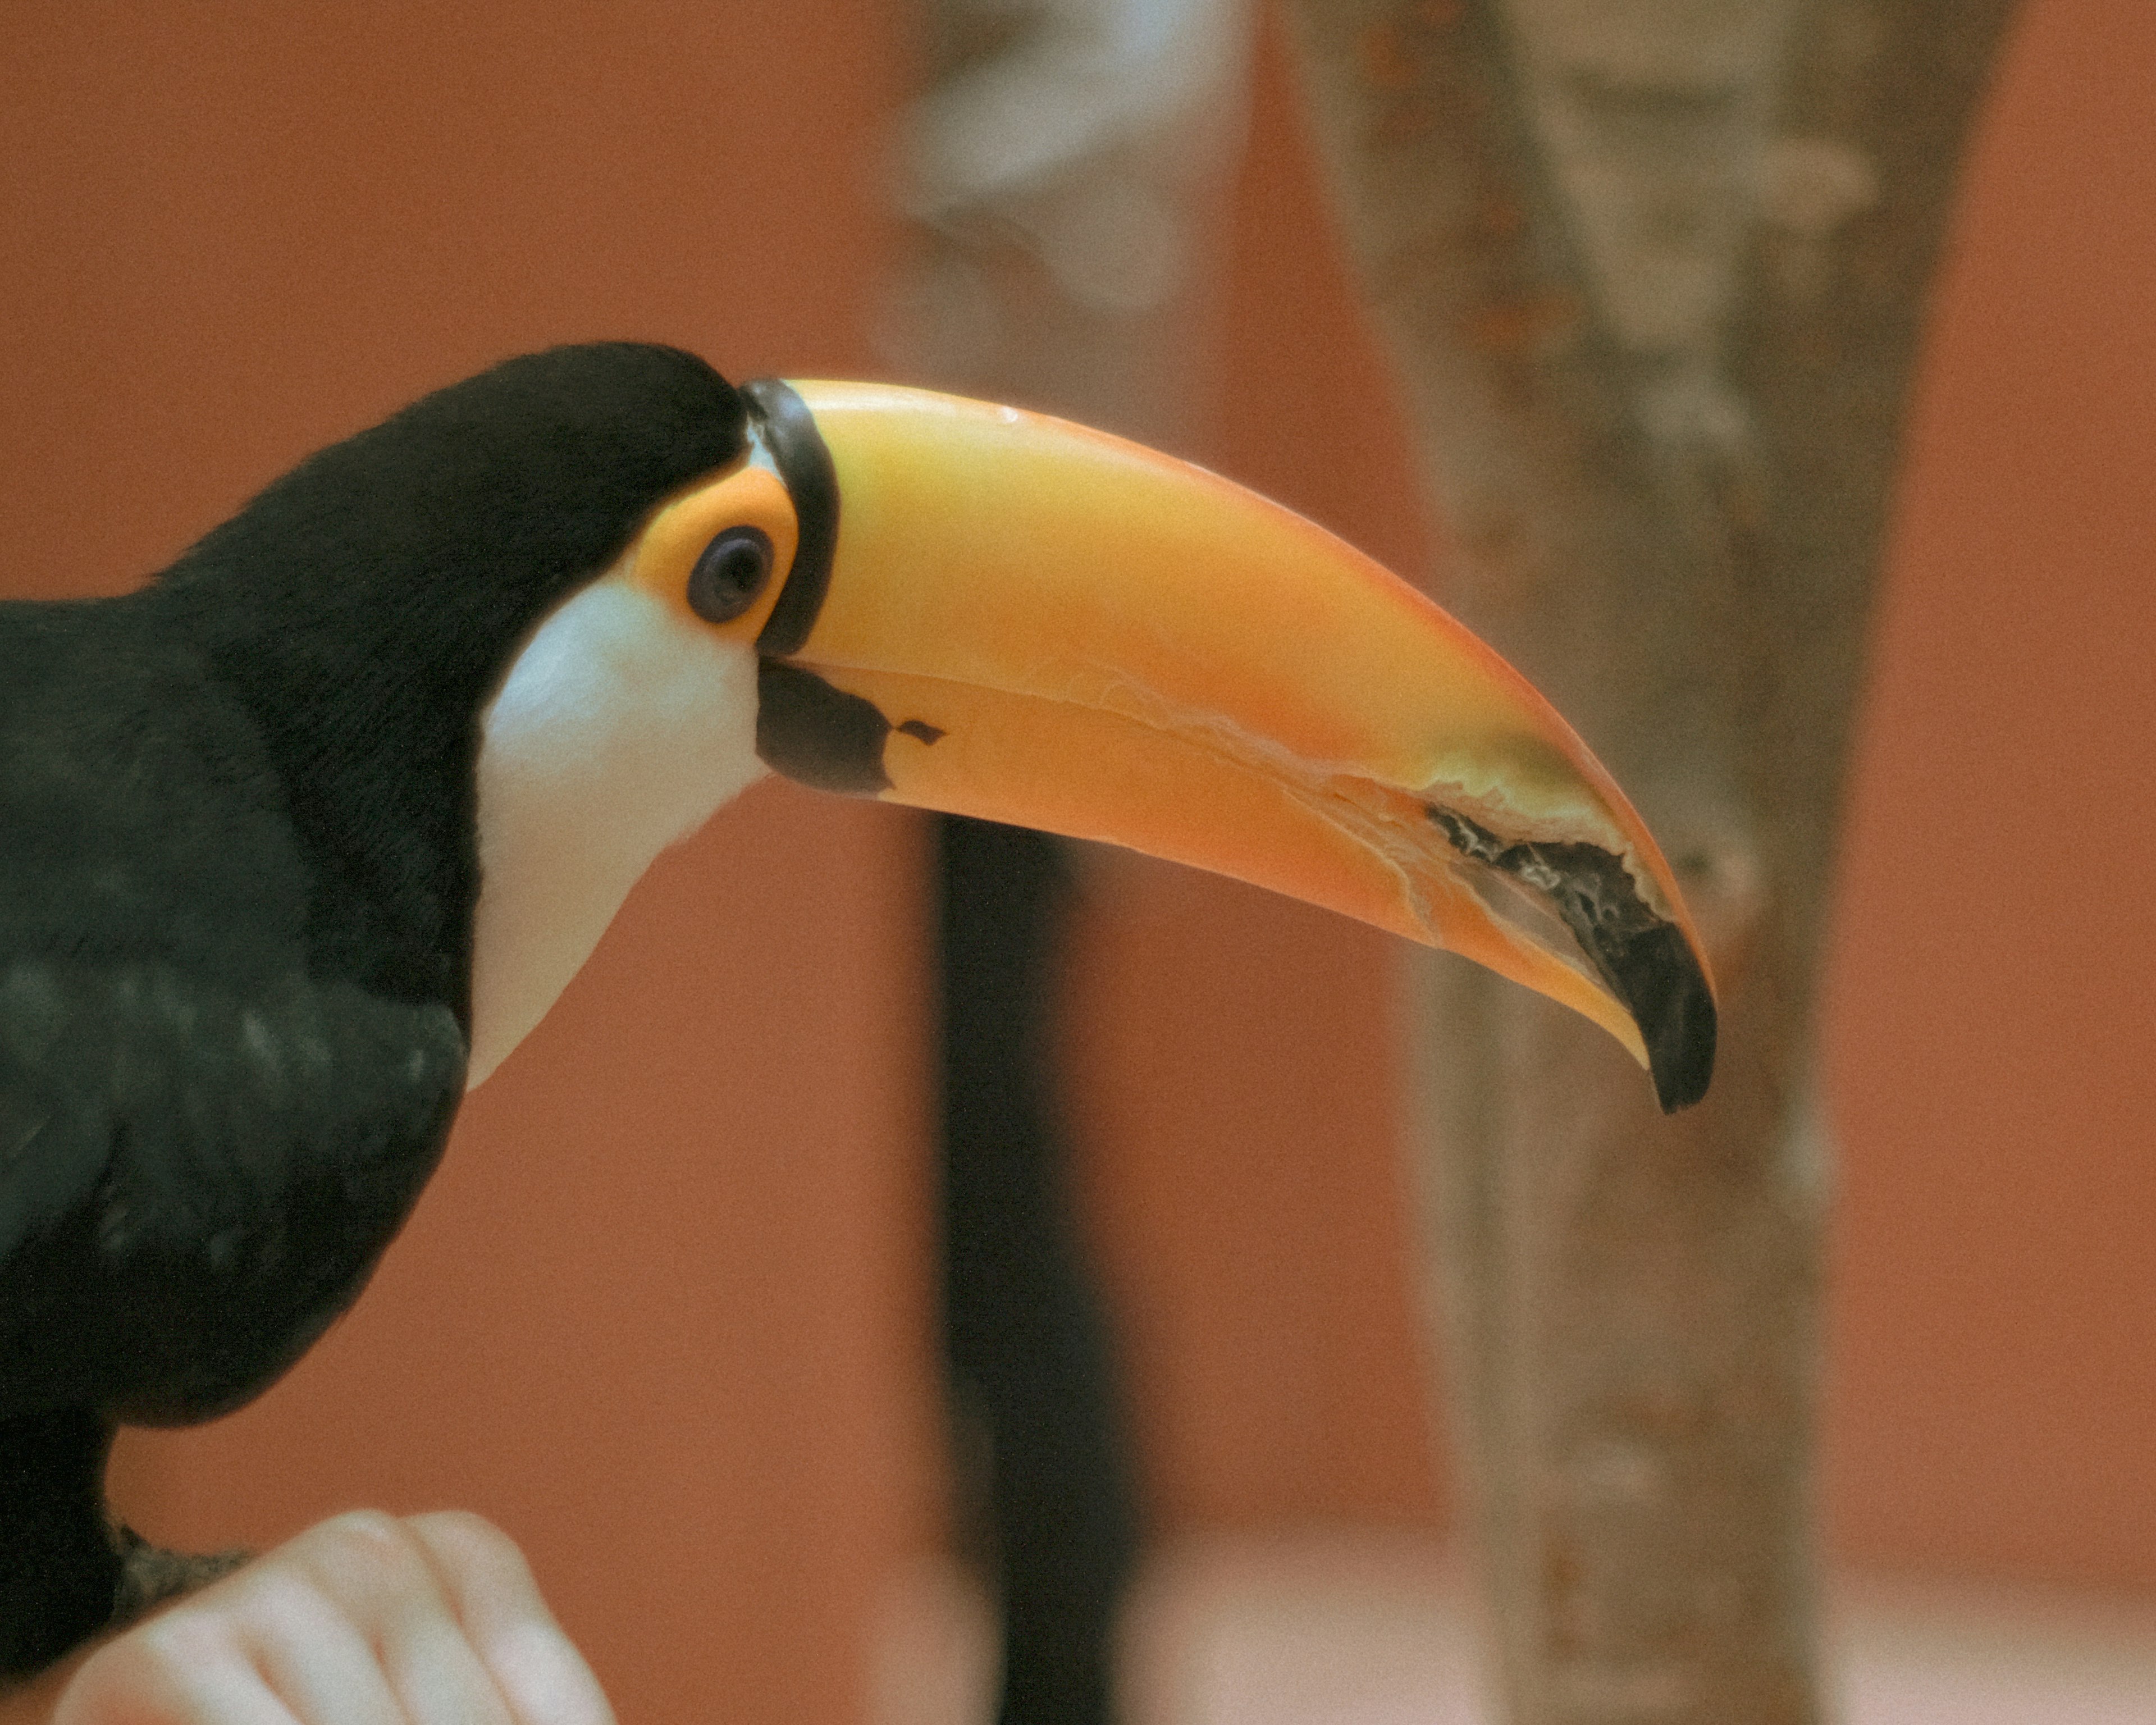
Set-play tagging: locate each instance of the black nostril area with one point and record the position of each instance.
(730, 574)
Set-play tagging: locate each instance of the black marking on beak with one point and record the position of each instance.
(1643, 958)
(822, 736)
(818, 735)
(788, 430)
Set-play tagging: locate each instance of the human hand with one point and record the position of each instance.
(365, 1619)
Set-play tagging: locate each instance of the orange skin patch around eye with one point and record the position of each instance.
(743, 496)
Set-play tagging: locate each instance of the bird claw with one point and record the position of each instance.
(150, 1575)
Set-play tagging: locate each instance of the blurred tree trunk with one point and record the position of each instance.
(1654, 272)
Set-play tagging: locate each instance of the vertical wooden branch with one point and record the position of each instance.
(1654, 272)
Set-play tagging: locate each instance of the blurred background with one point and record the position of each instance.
(666, 1314)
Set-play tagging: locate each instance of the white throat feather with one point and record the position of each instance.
(620, 727)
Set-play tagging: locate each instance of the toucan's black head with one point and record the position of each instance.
(365, 606)
(461, 519)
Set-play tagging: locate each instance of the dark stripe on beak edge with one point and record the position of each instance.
(790, 432)
(1642, 959)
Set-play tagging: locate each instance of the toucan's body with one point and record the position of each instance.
(303, 836)
(212, 1119)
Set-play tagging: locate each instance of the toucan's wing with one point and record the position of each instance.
(195, 1177)
(204, 1141)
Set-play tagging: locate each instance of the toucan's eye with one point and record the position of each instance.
(730, 574)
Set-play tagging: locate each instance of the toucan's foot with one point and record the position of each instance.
(150, 1575)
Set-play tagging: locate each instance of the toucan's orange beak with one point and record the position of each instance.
(1023, 620)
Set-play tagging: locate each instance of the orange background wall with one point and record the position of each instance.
(663, 1313)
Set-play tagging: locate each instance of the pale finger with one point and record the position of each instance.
(370, 1566)
(175, 1674)
(440, 1679)
(316, 1657)
(420, 1668)
(543, 1678)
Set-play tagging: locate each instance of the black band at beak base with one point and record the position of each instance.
(788, 430)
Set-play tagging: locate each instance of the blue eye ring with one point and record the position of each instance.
(734, 568)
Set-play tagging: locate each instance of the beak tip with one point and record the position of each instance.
(1677, 1086)
(1678, 1026)
(1660, 980)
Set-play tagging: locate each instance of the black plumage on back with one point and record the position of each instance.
(238, 868)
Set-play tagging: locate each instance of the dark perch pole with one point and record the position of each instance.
(1049, 1493)
(1034, 127)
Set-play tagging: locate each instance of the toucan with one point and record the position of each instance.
(304, 835)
